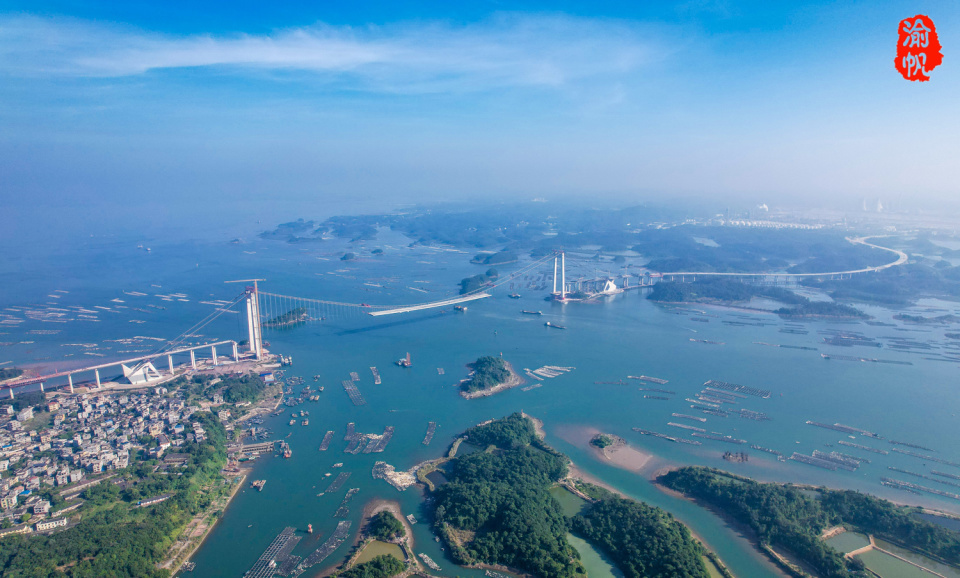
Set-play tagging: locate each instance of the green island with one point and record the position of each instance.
(921, 320)
(788, 521)
(496, 509)
(602, 440)
(478, 282)
(500, 258)
(723, 291)
(719, 290)
(298, 231)
(291, 318)
(821, 309)
(488, 372)
(385, 526)
(10, 373)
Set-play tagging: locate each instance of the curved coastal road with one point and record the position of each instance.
(901, 259)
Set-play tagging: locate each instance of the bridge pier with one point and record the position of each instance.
(70, 381)
(96, 373)
(11, 393)
(236, 354)
(193, 360)
(41, 387)
(170, 363)
(213, 351)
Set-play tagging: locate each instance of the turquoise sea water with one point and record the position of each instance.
(605, 342)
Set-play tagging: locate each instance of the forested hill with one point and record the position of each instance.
(497, 509)
(643, 541)
(721, 290)
(786, 517)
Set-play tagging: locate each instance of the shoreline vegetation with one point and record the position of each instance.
(502, 258)
(789, 524)
(291, 318)
(478, 282)
(534, 230)
(722, 291)
(8, 373)
(531, 229)
(381, 521)
(496, 510)
(489, 375)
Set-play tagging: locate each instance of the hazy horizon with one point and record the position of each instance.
(124, 108)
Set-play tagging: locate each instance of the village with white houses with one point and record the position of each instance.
(90, 436)
(54, 446)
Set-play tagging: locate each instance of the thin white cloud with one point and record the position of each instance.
(507, 50)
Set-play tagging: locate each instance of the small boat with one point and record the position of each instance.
(405, 362)
(293, 421)
(525, 312)
(338, 465)
(460, 308)
(554, 325)
(514, 295)
(309, 528)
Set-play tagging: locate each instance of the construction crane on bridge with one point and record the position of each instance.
(254, 329)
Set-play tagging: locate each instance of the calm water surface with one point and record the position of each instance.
(605, 342)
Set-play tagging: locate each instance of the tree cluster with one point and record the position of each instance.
(821, 309)
(719, 289)
(488, 371)
(10, 373)
(295, 316)
(497, 509)
(501, 497)
(784, 516)
(500, 258)
(643, 542)
(385, 526)
(382, 566)
(601, 441)
(234, 388)
(477, 282)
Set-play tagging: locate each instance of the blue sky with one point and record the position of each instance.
(114, 104)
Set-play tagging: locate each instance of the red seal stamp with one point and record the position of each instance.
(918, 48)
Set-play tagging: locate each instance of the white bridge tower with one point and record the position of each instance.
(254, 328)
(562, 294)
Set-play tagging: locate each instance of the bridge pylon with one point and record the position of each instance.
(254, 327)
(561, 258)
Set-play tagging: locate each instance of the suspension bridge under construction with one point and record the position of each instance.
(277, 311)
